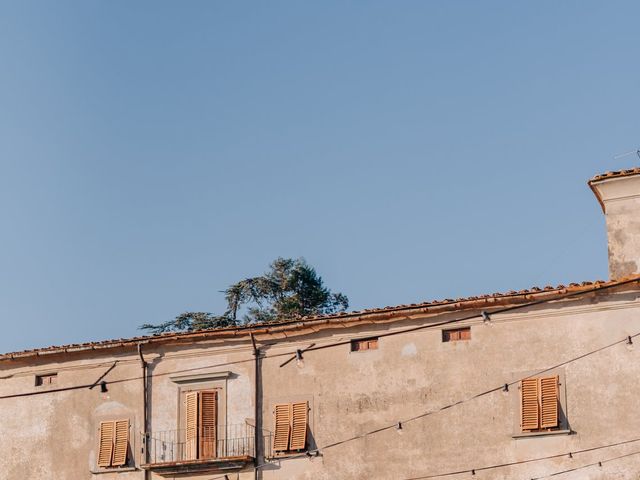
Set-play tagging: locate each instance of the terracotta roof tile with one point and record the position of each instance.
(618, 173)
(512, 297)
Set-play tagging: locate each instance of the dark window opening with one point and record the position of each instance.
(48, 379)
(456, 334)
(364, 344)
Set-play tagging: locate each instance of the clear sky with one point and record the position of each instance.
(152, 153)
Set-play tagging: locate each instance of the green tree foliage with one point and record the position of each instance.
(290, 289)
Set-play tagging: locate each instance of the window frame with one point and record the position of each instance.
(308, 437)
(448, 337)
(220, 415)
(364, 344)
(126, 462)
(563, 427)
(40, 379)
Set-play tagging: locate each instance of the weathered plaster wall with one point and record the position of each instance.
(414, 373)
(54, 435)
(620, 198)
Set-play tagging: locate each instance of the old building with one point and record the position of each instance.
(522, 384)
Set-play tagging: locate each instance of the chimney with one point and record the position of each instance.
(619, 197)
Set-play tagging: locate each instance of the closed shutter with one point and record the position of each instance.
(283, 427)
(105, 447)
(208, 423)
(529, 419)
(549, 402)
(191, 426)
(121, 443)
(299, 430)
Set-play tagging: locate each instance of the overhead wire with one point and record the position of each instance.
(334, 344)
(478, 395)
(413, 329)
(522, 462)
(483, 314)
(598, 463)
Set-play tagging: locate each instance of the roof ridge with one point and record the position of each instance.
(241, 330)
(615, 174)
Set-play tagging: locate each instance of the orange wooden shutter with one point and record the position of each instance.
(121, 443)
(105, 448)
(191, 426)
(299, 430)
(529, 419)
(283, 427)
(549, 402)
(208, 423)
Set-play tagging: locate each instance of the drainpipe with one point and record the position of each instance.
(145, 409)
(258, 422)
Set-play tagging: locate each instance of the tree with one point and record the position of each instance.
(290, 289)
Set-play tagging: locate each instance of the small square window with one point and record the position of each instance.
(364, 344)
(456, 334)
(48, 379)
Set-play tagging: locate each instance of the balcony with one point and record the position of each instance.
(218, 449)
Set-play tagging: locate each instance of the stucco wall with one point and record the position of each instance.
(54, 435)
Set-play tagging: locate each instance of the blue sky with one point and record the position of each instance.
(152, 153)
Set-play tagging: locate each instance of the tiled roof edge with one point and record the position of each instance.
(615, 174)
(435, 306)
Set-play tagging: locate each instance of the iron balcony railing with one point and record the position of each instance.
(201, 444)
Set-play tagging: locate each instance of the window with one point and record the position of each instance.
(291, 420)
(48, 379)
(456, 334)
(539, 398)
(113, 448)
(364, 344)
(201, 422)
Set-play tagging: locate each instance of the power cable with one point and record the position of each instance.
(395, 425)
(521, 462)
(600, 463)
(478, 395)
(483, 314)
(320, 347)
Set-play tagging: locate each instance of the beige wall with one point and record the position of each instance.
(54, 435)
(620, 199)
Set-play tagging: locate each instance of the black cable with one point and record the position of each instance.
(481, 394)
(520, 462)
(397, 333)
(588, 465)
(53, 390)
(320, 347)
(469, 317)
(122, 380)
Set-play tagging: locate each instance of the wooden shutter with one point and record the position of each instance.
(105, 447)
(548, 402)
(191, 426)
(283, 427)
(299, 429)
(121, 443)
(529, 419)
(208, 423)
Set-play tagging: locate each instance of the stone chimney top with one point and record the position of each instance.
(619, 197)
